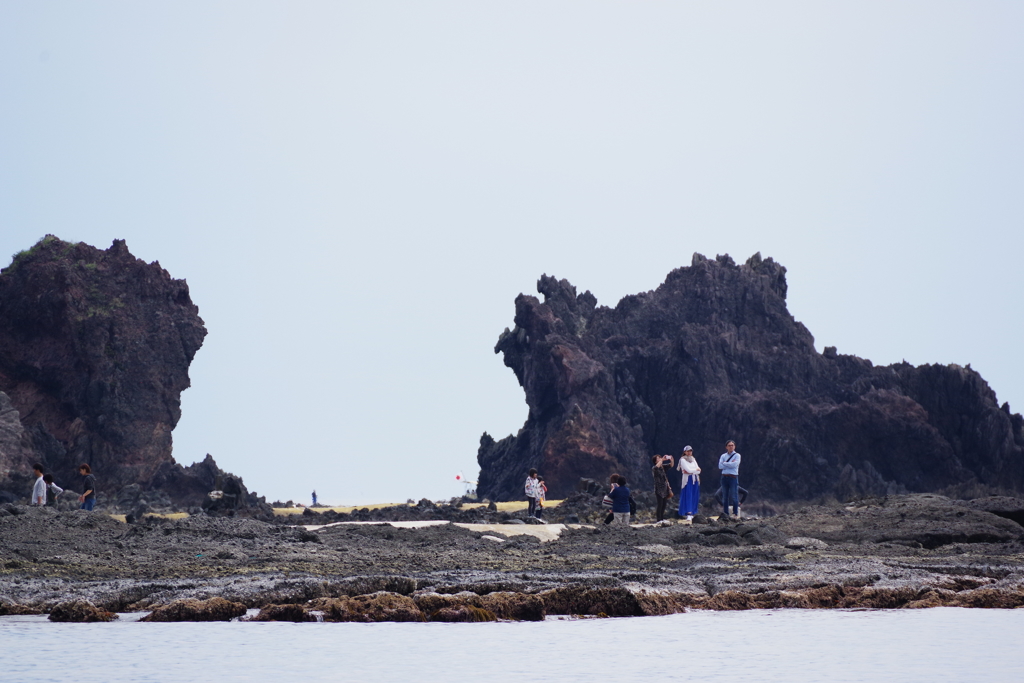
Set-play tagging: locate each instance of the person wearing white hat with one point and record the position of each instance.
(689, 496)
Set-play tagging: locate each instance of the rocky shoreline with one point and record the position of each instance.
(904, 551)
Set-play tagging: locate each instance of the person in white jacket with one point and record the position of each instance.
(39, 488)
(689, 496)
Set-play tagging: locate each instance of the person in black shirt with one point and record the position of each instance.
(662, 489)
(87, 499)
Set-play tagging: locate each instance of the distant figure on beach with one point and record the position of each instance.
(729, 463)
(621, 500)
(39, 488)
(662, 489)
(52, 491)
(87, 499)
(314, 497)
(532, 493)
(689, 496)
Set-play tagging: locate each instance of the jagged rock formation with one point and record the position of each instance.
(95, 348)
(713, 354)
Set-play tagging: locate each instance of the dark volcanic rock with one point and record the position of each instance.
(713, 354)
(95, 348)
(1003, 506)
(94, 354)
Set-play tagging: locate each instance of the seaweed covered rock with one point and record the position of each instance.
(462, 614)
(598, 601)
(714, 354)
(469, 606)
(288, 612)
(79, 611)
(190, 609)
(380, 606)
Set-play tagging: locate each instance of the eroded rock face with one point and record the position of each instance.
(95, 348)
(714, 354)
(94, 354)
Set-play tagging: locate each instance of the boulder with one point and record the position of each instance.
(190, 609)
(380, 606)
(462, 614)
(290, 612)
(79, 611)
(585, 600)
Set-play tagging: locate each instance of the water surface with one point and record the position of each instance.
(768, 646)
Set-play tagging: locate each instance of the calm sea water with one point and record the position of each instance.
(944, 644)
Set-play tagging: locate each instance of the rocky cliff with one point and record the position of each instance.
(713, 354)
(95, 348)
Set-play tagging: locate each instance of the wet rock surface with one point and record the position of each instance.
(713, 354)
(897, 551)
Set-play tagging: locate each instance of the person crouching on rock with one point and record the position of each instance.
(52, 491)
(620, 502)
(87, 499)
(689, 496)
(742, 495)
(662, 489)
(729, 463)
(532, 492)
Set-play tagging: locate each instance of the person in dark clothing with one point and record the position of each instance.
(621, 502)
(741, 494)
(613, 481)
(87, 499)
(52, 491)
(662, 489)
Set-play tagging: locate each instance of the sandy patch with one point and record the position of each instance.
(544, 532)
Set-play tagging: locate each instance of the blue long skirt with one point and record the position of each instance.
(689, 498)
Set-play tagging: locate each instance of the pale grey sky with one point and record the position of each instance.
(357, 191)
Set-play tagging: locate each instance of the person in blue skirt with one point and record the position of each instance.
(689, 496)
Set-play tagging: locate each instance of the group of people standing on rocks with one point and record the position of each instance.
(730, 495)
(45, 492)
(621, 506)
(689, 494)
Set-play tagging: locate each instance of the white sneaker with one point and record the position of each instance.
(689, 518)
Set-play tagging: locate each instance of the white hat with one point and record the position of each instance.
(688, 448)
